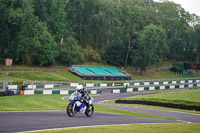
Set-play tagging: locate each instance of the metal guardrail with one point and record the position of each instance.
(164, 79)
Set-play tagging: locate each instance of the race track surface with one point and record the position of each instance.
(29, 121)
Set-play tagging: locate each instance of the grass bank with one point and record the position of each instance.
(26, 73)
(163, 74)
(136, 128)
(45, 76)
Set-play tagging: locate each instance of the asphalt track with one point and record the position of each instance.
(28, 121)
(39, 120)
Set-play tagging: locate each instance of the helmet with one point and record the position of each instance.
(79, 88)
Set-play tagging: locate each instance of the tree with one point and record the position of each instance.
(7, 31)
(194, 45)
(197, 42)
(132, 20)
(53, 13)
(71, 52)
(21, 17)
(75, 13)
(174, 19)
(98, 26)
(115, 54)
(28, 36)
(151, 47)
(46, 48)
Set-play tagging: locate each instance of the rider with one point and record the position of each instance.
(83, 94)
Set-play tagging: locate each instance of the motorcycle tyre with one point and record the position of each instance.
(68, 112)
(89, 114)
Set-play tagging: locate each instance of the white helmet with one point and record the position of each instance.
(79, 88)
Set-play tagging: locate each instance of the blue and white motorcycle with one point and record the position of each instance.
(78, 105)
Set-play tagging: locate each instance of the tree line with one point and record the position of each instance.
(118, 32)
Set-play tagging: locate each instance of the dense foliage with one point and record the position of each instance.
(119, 32)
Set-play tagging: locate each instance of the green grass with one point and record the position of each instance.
(46, 76)
(59, 66)
(53, 102)
(163, 74)
(154, 107)
(68, 76)
(135, 128)
(186, 97)
(19, 68)
(49, 76)
(96, 64)
(31, 68)
(32, 102)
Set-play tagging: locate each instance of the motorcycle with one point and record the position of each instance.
(78, 105)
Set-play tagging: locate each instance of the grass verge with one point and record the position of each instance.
(186, 97)
(177, 97)
(32, 102)
(136, 128)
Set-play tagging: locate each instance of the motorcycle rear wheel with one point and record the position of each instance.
(70, 111)
(89, 111)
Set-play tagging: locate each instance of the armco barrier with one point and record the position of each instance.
(12, 87)
(151, 88)
(53, 85)
(156, 82)
(136, 85)
(60, 92)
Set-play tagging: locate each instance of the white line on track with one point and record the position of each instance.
(184, 121)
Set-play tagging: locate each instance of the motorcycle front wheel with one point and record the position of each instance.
(70, 111)
(89, 111)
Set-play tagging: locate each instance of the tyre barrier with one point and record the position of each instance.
(6, 93)
(168, 105)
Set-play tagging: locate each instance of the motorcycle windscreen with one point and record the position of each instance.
(81, 107)
(73, 97)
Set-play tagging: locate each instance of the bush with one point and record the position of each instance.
(71, 52)
(91, 55)
(176, 70)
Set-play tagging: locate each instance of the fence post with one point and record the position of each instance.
(5, 86)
